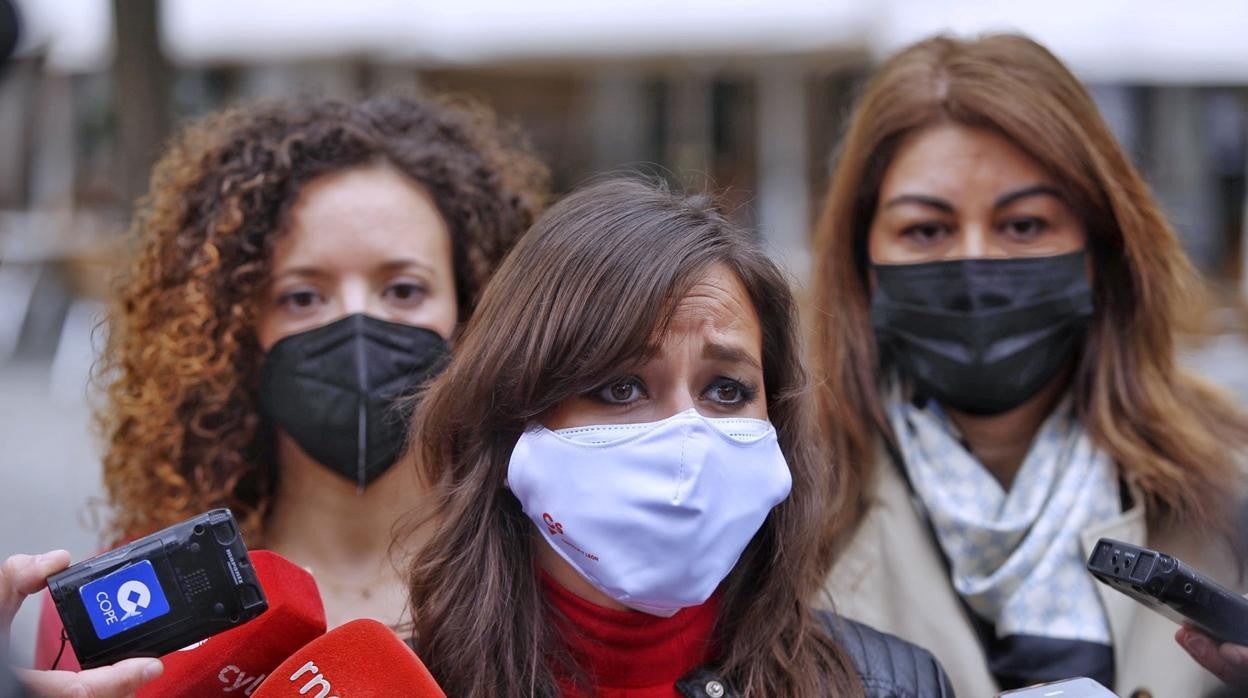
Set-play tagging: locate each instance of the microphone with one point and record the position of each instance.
(233, 663)
(360, 659)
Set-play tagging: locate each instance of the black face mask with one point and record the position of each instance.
(334, 389)
(981, 335)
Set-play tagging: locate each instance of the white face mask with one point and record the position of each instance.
(653, 515)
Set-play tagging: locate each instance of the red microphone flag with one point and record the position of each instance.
(234, 662)
(361, 659)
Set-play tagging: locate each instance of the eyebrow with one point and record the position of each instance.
(1034, 190)
(303, 272)
(920, 199)
(1001, 202)
(730, 354)
(399, 264)
(389, 267)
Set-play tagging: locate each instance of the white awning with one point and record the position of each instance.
(1152, 41)
(493, 31)
(1144, 41)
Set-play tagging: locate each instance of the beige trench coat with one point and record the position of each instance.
(892, 577)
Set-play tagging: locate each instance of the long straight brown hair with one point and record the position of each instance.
(583, 298)
(1170, 434)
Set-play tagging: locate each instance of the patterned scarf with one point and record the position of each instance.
(1015, 556)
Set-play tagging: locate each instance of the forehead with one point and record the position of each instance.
(361, 215)
(717, 307)
(952, 160)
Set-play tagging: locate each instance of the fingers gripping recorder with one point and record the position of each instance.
(159, 593)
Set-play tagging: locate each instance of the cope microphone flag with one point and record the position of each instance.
(159, 593)
(234, 662)
(361, 659)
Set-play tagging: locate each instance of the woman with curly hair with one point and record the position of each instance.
(301, 267)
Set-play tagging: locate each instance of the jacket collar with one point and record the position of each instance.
(704, 683)
(1131, 526)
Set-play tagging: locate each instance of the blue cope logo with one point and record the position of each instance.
(128, 597)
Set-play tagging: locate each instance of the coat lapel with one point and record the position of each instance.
(1129, 527)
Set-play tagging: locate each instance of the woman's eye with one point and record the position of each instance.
(1025, 228)
(726, 391)
(621, 392)
(301, 299)
(405, 292)
(926, 233)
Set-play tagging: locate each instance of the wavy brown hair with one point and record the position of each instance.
(181, 421)
(1170, 434)
(587, 293)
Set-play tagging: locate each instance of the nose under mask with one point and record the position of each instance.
(336, 390)
(653, 515)
(982, 335)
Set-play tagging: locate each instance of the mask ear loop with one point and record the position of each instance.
(61, 652)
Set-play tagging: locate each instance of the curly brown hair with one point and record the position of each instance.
(181, 422)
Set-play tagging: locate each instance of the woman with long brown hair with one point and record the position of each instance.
(994, 320)
(627, 491)
(302, 266)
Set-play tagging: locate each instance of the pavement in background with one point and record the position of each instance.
(50, 471)
(1224, 361)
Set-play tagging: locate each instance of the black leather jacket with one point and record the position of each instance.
(888, 666)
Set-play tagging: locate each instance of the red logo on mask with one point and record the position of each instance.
(555, 527)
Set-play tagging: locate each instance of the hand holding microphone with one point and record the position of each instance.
(23, 575)
(360, 659)
(175, 570)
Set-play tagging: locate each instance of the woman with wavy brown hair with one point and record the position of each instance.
(628, 491)
(994, 320)
(301, 267)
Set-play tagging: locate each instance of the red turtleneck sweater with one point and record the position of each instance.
(630, 654)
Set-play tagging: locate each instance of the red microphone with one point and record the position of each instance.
(234, 662)
(360, 659)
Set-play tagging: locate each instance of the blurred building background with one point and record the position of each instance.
(744, 96)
